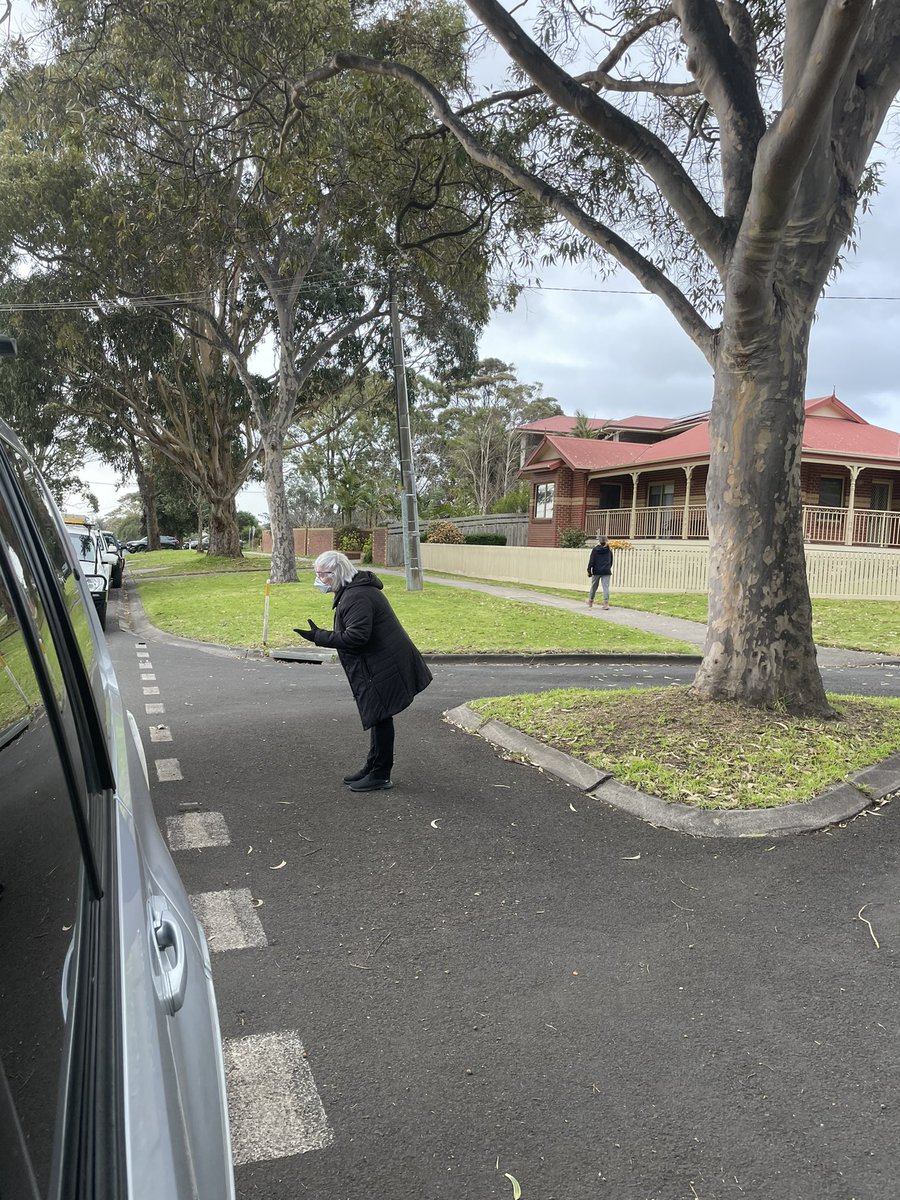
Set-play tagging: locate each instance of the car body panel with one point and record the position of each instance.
(151, 1112)
(93, 562)
(166, 542)
(115, 556)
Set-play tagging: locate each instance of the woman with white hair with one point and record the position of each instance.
(384, 669)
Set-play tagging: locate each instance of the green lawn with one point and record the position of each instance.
(670, 743)
(160, 563)
(850, 624)
(229, 609)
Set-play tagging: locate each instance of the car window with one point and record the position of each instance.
(41, 507)
(83, 545)
(40, 860)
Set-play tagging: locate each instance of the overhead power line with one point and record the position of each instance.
(186, 298)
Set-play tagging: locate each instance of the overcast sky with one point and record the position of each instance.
(612, 351)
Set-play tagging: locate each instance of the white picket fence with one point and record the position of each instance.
(837, 573)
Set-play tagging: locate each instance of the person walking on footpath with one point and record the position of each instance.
(383, 667)
(600, 569)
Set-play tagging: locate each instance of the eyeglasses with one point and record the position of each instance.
(325, 574)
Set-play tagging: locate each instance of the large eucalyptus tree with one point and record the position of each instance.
(717, 151)
(159, 130)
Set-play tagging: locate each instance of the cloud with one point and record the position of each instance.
(604, 348)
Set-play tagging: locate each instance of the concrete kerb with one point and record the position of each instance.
(840, 802)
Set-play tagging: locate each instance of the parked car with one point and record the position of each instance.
(111, 1072)
(115, 546)
(193, 544)
(165, 543)
(95, 562)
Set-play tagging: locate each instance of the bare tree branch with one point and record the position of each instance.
(784, 150)
(728, 83)
(644, 271)
(649, 151)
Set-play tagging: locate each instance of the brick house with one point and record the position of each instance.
(645, 477)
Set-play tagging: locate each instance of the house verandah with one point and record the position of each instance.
(850, 484)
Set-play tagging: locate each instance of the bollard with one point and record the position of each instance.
(266, 613)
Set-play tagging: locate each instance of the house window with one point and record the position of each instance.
(543, 501)
(661, 495)
(831, 492)
(610, 495)
(881, 495)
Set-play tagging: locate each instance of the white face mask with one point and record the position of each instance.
(320, 585)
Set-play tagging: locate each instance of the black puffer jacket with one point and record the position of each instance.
(601, 561)
(384, 669)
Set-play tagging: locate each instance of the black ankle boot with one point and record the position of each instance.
(360, 774)
(373, 782)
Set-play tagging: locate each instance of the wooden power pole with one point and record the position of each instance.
(409, 508)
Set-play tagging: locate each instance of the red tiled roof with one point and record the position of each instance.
(835, 437)
(543, 464)
(847, 439)
(841, 435)
(837, 406)
(693, 443)
(587, 454)
(559, 424)
(643, 423)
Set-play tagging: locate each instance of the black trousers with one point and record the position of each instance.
(381, 748)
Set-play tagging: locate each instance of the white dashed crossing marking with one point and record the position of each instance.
(272, 1099)
(151, 691)
(194, 831)
(149, 677)
(229, 919)
(167, 769)
(160, 733)
(150, 709)
(145, 664)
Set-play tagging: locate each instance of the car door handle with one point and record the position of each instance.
(66, 981)
(172, 959)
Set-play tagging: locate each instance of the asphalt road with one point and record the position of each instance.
(493, 977)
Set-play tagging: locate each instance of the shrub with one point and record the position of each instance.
(350, 538)
(619, 544)
(445, 532)
(485, 539)
(367, 550)
(572, 538)
(515, 500)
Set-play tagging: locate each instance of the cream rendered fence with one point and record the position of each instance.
(839, 573)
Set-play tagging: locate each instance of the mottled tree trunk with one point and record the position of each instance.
(224, 535)
(146, 482)
(759, 646)
(284, 562)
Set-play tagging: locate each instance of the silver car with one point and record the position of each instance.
(111, 1075)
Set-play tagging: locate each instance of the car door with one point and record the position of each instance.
(111, 1078)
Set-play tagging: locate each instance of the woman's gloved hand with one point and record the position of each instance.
(309, 634)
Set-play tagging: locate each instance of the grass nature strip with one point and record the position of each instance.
(872, 625)
(228, 609)
(669, 743)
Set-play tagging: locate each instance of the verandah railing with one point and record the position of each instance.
(823, 526)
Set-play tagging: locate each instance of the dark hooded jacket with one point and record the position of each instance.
(384, 669)
(601, 561)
